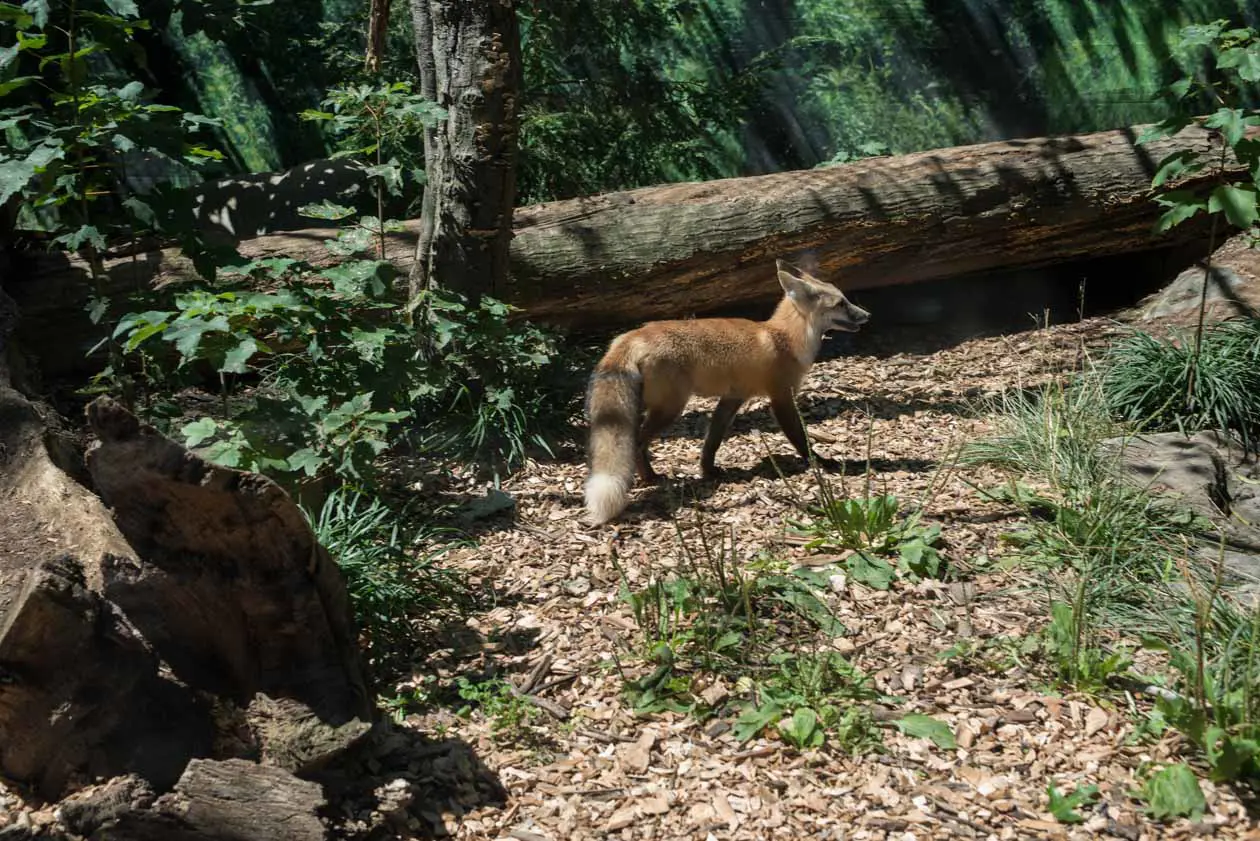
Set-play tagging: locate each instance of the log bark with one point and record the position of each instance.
(676, 250)
(156, 630)
(233, 800)
(469, 53)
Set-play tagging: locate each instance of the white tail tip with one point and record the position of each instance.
(606, 496)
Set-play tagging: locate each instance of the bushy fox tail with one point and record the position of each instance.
(612, 405)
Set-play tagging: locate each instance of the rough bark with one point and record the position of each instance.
(674, 250)
(233, 800)
(422, 25)
(474, 47)
(378, 31)
(138, 636)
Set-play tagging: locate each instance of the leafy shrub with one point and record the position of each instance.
(1163, 384)
(334, 373)
(321, 370)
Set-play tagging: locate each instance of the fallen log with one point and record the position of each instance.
(680, 249)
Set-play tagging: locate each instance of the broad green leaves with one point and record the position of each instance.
(1237, 55)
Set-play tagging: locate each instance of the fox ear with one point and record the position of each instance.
(784, 267)
(795, 286)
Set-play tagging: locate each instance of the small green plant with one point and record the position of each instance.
(396, 590)
(760, 628)
(1173, 792)
(1072, 644)
(811, 699)
(511, 716)
(1216, 662)
(884, 544)
(1063, 805)
(375, 123)
(803, 729)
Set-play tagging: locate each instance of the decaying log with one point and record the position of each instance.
(233, 800)
(129, 633)
(234, 589)
(680, 249)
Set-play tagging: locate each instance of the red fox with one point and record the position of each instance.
(653, 371)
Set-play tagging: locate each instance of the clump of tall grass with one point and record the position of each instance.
(397, 590)
(1119, 563)
(1163, 384)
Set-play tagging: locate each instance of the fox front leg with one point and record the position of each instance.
(783, 407)
(719, 425)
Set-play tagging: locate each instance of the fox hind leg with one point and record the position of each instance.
(655, 421)
(719, 425)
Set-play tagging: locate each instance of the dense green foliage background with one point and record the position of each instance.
(623, 93)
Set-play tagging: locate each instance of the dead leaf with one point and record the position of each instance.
(1096, 720)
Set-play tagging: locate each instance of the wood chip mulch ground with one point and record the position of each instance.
(595, 770)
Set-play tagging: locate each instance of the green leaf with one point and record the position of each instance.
(140, 210)
(186, 333)
(123, 8)
(1164, 128)
(96, 309)
(8, 55)
(1179, 164)
(1230, 122)
(326, 210)
(1238, 202)
(234, 360)
(1246, 60)
(83, 235)
(1201, 34)
(1182, 205)
(755, 719)
(802, 729)
(307, 461)
(198, 431)
(15, 14)
(870, 570)
(1063, 806)
(1229, 755)
(921, 726)
(1173, 792)
(8, 87)
(14, 175)
(229, 453)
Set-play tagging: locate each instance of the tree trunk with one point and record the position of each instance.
(474, 50)
(683, 249)
(378, 35)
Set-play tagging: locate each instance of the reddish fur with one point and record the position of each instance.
(661, 365)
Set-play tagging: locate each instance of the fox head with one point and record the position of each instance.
(822, 304)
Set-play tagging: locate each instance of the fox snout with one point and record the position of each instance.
(849, 318)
